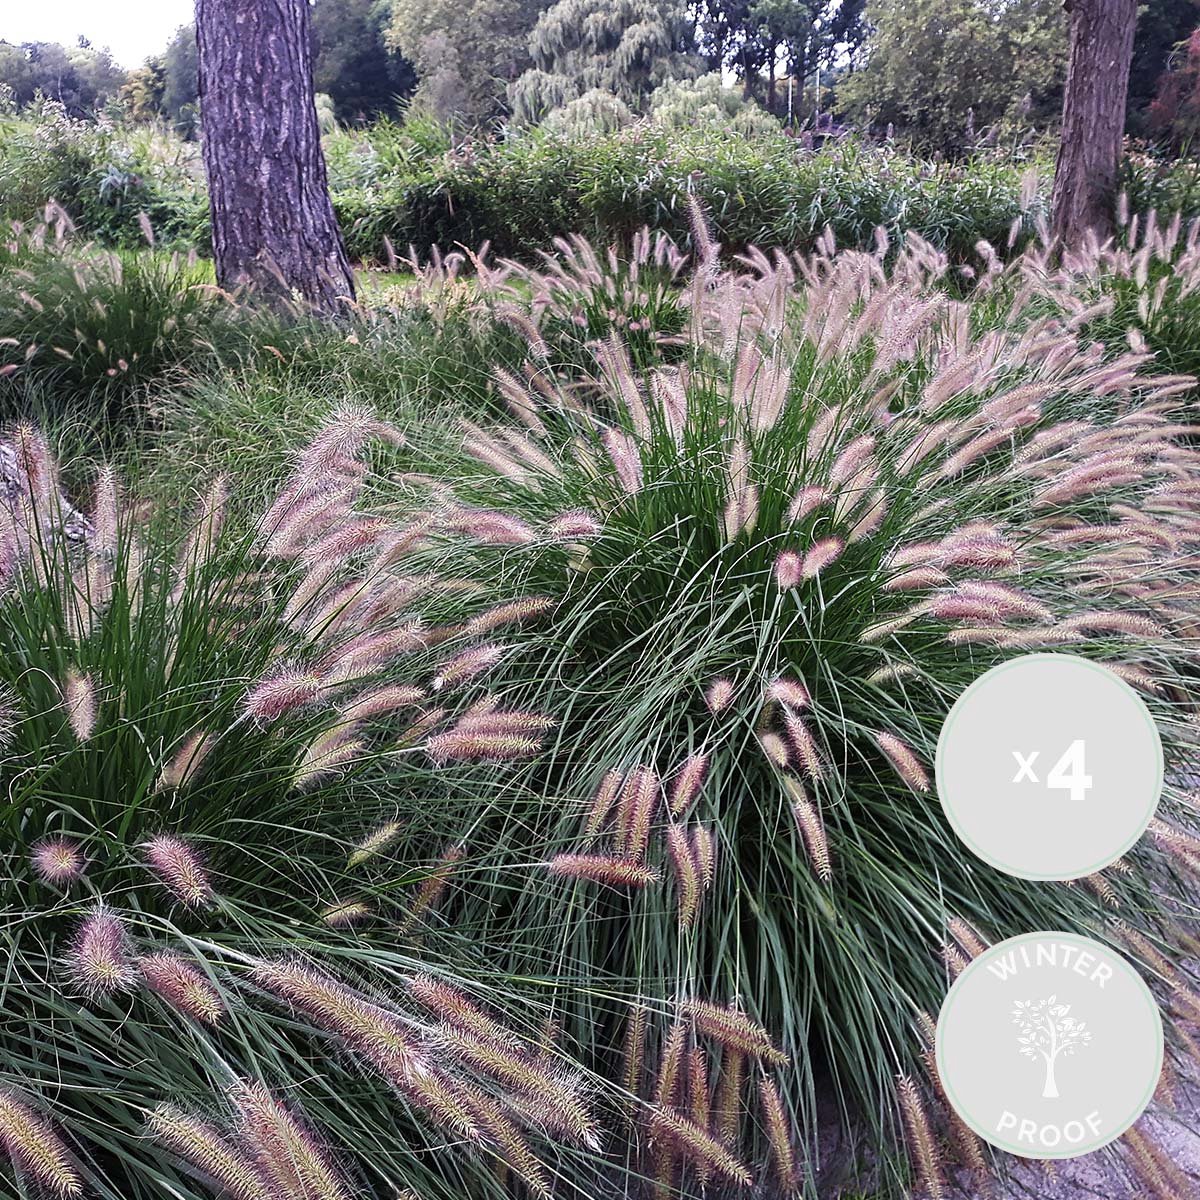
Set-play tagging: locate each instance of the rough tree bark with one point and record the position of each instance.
(272, 220)
(1089, 155)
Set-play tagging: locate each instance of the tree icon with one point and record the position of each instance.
(1047, 1031)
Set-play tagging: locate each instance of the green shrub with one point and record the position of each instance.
(770, 574)
(767, 190)
(104, 176)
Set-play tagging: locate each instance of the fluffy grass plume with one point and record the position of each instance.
(806, 538)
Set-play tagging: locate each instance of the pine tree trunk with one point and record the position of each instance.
(1089, 155)
(272, 220)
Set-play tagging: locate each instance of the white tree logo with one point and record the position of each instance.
(1048, 1031)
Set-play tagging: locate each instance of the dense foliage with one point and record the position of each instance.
(563, 730)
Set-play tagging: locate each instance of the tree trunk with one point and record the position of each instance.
(272, 220)
(1089, 155)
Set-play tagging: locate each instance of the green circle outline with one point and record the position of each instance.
(1156, 791)
(1080, 940)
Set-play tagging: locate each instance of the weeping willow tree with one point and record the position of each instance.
(624, 48)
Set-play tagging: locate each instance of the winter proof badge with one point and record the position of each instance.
(1049, 1045)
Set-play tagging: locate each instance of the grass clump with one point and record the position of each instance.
(95, 332)
(771, 568)
(219, 982)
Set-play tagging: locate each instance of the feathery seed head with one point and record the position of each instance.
(467, 664)
(203, 1147)
(491, 528)
(696, 1143)
(98, 955)
(719, 695)
(515, 612)
(79, 702)
(573, 525)
(180, 869)
(820, 555)
(903, 760)
(345, 914)
(288, 1154)
(688, 882)
(182, 986)
(58, 861)
(328, 753)
(789, 570)
(687, 784)
(381, 701)
(374, 843)
(454, 1007)
(366, 1028)
(731, 1027)
(281, 693)
(603, 799)
(601, 868)
(36, 1148)
(922, 1142)
(812, 829)
(789, 692)
(806, 501)
(187, 761)
(638, 804)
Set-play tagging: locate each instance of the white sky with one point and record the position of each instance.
(131, 29)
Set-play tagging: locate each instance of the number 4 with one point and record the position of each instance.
(1068, 772)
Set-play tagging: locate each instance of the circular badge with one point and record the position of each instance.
(1049, 1045)
(1049, 767)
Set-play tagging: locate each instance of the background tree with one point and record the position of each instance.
(273, 223)
(763, 42)
(142, 92)
(626, 48)
(181, 81)
(466, 52)
(81, 77)
(1161, 27)
(935, 68)
(1175, 112)
(1089, 152)
(352, 62)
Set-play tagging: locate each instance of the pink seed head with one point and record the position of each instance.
(59, 861)
(719, 695)
(804, 502)
(281, 693)
(182, 986)
(79, 702)
(491, 528)
(98, 955)
(180, 869)
(36, 1148)
(789, 570)
(686, 785)
(820, 555)
(601, 868)
(574, 524)
(789, 692)
(467, 664)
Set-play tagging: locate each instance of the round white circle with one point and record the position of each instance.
(1049, 767)
(1049, 1045)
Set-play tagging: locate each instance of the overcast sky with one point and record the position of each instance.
(131, 29)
